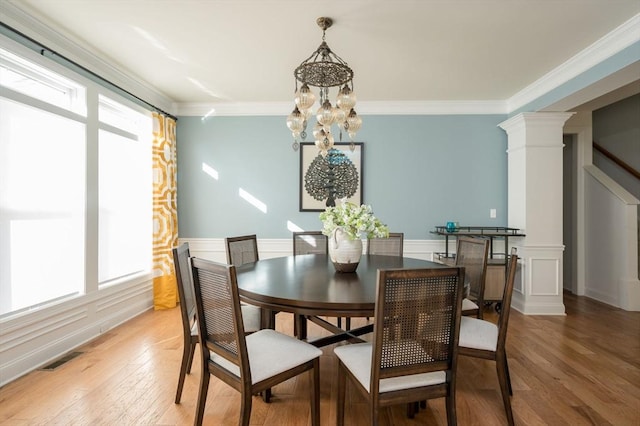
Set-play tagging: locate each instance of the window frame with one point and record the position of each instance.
(88, 115)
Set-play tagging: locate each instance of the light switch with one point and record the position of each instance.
(492, 213)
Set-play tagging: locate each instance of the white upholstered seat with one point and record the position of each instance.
(478, 334)
(357, 358)
(468, 304)
(270, 353)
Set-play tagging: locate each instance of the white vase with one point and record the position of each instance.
(344, 252)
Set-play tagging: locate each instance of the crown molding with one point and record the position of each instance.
(364, 108)
(615, 41)
(76, 50)
(433, 108)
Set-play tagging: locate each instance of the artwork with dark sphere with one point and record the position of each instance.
(331, 177)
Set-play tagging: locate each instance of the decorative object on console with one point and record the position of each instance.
(452, 226)
(324, 69)
(344, 224)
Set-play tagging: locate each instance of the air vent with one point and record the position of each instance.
(57, 363)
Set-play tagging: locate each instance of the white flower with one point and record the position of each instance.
(354, 220)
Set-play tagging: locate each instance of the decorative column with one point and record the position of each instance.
(535, 206)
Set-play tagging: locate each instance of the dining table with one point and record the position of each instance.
(309, 287)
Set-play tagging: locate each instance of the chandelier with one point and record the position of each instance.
(324, 69)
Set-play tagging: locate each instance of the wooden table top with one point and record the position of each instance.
(309, 284)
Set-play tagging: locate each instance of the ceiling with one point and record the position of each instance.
(212, 51)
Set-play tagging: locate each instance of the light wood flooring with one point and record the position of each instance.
(578, 369)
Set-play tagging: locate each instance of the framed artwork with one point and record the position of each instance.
(325, 180)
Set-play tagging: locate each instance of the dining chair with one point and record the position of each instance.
(250, 315)
(244, 249)
(391, 246)
(472, 253)
(310, 242)
(484, 339)
(414, 351)
(250, 364)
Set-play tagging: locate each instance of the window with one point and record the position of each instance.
(75, 191)
(125, 188)
(33, 80)
(42, 202)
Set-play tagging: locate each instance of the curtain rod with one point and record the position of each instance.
(42, 49)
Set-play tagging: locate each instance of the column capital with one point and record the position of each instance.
(535, 119)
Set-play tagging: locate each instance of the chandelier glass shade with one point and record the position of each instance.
(323, 69)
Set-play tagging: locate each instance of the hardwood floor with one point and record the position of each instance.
(580, 369)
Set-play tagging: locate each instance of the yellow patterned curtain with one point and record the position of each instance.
(165, 211)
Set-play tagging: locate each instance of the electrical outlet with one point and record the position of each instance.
(492, 213)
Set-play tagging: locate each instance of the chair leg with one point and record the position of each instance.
(194, 343)
(411, 410)
(452, 418)
(315, 393)
(415, 407)
(202, 394)
(339, 322)
(300, 326)
(376, 412)
(245, 407)
(506, 367)
(347, 323)
(184, 369)
(342, 383)
(267, 318)
(503, 379)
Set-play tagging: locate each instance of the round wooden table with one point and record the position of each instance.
(308, 285)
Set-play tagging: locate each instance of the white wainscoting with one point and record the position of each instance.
(34, 338)
(538, 287)
(214, 248)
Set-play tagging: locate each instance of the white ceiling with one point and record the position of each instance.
(208, 51)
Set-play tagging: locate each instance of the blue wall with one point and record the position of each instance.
(418, 171)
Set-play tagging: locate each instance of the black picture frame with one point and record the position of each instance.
(308, 152)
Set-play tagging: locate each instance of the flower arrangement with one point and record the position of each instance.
(354, 220)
